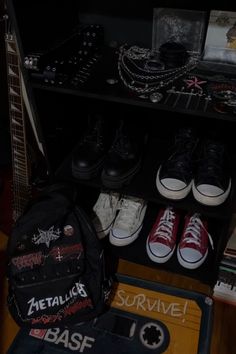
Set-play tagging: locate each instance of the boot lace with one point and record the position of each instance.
(121, 142)
(94, 134)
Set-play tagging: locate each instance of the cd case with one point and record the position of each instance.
(178, 25)
(220, 44)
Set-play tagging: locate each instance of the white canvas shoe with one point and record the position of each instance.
(129, 221)
(105, 210)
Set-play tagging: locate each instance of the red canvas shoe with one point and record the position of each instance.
(193, 247)
(161, 241)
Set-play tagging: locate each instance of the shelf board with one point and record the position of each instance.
(162, 276)
(97, 88)
(143, 185)
(125, 99)
(136, 251)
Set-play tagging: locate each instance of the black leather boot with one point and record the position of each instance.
(88, 156)
(124, 158)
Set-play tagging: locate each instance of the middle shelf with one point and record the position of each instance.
(143, 184)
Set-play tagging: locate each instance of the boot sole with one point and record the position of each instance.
(89, 173)
(118, 182)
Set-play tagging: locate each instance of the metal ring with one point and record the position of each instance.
(156, 97)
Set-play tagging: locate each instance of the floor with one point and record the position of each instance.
(8, 327)
(222, 341)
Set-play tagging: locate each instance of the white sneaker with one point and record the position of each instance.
(129, 221)
(105, 210)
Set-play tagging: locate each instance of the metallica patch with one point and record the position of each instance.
(36, 305)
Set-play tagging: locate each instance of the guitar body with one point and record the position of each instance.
(6, 198)
(6, 220)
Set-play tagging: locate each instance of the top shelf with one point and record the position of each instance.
(104, 84)
(133, 24)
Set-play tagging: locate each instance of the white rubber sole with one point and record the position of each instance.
(115, 240)
(210, 200)
(188, 265)
(172, 194)
(155, 258)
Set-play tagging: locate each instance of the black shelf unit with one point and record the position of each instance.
(143, 185)
(98, 88)
(61, 111)
(108, 95)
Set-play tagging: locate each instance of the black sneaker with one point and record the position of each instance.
(89, 155)
(212, 183)
(124, 158)
(175, 175)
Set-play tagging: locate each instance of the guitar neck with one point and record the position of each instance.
(20, 166)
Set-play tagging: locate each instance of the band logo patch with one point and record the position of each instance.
(36, 305)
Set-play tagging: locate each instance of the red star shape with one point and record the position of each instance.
(194, 82)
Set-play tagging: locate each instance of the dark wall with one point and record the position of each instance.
(43, 23)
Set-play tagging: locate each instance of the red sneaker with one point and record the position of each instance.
(161, 241)
(193, 247)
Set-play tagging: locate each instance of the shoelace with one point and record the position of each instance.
(120, 144)
(94, 135)
(131, 210)
(165, 226)
(180, 162)
(211, 163)
(193, 231)
(181, 158)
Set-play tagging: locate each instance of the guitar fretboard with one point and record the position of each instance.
(21, 183)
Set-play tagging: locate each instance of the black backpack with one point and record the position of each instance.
(56, 268)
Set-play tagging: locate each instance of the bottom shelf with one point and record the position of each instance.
(136, 251)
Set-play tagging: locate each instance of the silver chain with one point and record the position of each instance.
(161, 73)
(162, 78)
(135, 52)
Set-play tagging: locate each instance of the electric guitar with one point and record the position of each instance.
(18, 105)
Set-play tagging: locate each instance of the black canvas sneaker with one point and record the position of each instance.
(175, 175)
(212, 181)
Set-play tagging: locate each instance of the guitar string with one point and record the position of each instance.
(20, 184)
(8, 56)
(16, 189)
